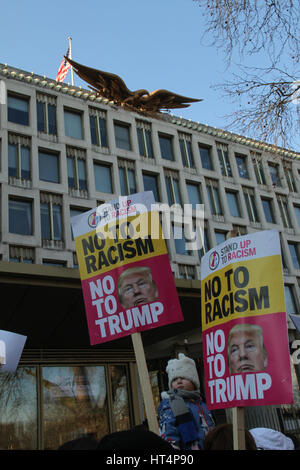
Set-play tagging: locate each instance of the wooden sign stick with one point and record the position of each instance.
(238, 424)
(145, 382)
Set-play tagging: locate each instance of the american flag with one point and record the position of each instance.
(63, 68)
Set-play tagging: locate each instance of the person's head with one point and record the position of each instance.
(136, 286)
(245, 349)
(269, 439)
(182, 373)
(221, 438)
(81, 443)
(140, 439)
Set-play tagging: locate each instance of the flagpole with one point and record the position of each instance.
(70, 49)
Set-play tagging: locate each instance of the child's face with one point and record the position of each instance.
(182, 384)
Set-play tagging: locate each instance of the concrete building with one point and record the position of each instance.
(64, 151)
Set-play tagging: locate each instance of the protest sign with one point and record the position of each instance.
(245, 340)
(11, 347)
(125, 272)
(126, 278)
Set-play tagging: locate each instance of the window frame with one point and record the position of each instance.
(52, 201)
(170, 139)
(19, 142)
(46, 101)
(186, 150)
(29, 205)
(22, 98)
(79, 114)
(99, 117)
(154, 177)
(236, 202)
(128, 169)
(244, 160)
(144, 136)
(250, 203)
(209, 154)
(224, 161)
(212, 189)
(98, 164)
(49, 153)
(118, 140)
(270, 202)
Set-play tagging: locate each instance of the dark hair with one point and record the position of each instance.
(82, 443)
(141, 439)
(221, 438)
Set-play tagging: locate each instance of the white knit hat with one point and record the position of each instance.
(183, 367)
(269, 439)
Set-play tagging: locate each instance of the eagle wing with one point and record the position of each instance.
(164, 99)
(107, 84)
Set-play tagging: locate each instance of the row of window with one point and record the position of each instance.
(18, 112)
(19, 167)
(26, 255)
(21, 222)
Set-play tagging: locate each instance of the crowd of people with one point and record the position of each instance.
(185, 424)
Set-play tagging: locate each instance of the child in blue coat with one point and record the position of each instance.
(183, 417)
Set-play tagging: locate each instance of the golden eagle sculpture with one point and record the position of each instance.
(113, 88)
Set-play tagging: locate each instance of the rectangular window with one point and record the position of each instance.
(194, 194)
(268, 210)
(274, 172)
(241, 161)
(294, 252)
(290, 302)
(166, 147)
(51, 217)
(76, 161)
(98, 127)
(48, 166)
(73, 213)
(20, 216)
(127, 177)
(204, 241)
(185, 143)
(220, 237)
(151, 184)
(223, 156)
(103, 181)
(46, 114)
(73, 124)
(122, 136)
(297, 213)
(19, 157)
(283, 207)
(144, 139)
(18, 109)
(290, 177)
(213, 197)
(180, 241)
(250, 204)
(172, 185)
(233, 203)
(258, 168)
(205, 155)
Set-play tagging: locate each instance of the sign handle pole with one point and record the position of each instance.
(238, 424)
(145, 382)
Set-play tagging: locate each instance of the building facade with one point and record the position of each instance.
(64, 151)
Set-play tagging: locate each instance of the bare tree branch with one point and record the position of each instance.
(267, 97)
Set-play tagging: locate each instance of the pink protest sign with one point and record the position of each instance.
(245, 340)
(127, 282)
